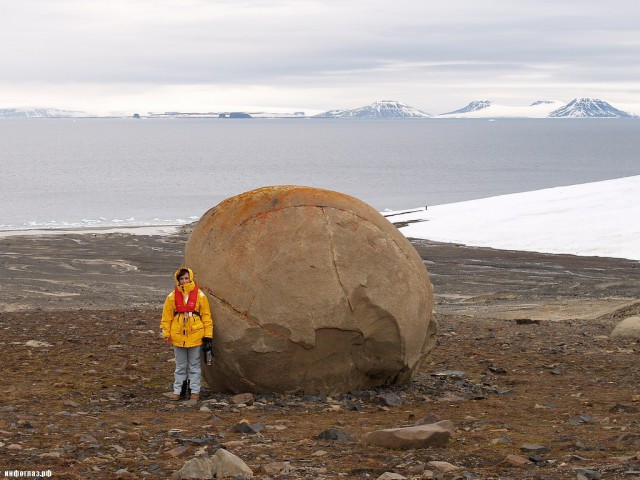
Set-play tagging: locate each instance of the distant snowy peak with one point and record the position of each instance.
(38, 113)
(471, 107)
(379, 109)
(589, 108)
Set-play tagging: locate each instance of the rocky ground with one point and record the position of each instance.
(523, 358)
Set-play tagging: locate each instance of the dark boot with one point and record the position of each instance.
(185, 391)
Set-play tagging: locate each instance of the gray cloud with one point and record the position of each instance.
(333, 46)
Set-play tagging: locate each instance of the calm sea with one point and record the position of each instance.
(89, 172)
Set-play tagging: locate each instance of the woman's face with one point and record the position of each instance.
(184, 278)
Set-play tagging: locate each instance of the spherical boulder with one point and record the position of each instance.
(629, 328)
(312, 291)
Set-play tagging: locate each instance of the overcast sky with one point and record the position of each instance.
(199, 55)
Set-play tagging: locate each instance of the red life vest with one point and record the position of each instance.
(190, 305)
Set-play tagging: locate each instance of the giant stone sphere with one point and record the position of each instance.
(312, 291)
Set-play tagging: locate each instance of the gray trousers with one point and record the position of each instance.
(187, 360)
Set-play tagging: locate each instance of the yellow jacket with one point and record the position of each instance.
(186, 330)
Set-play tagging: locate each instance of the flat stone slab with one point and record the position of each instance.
(405, 438)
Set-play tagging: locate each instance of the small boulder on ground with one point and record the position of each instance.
(627, 328)
(227, 465)
(405, 438)
(195, 469)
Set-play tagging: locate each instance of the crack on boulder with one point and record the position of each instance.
(333, 259)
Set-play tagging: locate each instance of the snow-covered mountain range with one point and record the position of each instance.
(577, 108)
(379, 109)
(38, 113)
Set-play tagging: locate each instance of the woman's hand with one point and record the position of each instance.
(167, 340)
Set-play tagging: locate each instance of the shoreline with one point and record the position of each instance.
(160, 229)
(167, 230)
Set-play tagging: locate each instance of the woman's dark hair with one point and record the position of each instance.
(182, 272)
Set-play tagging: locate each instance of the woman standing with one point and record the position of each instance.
(187, 325)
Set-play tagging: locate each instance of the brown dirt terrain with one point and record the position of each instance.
(523, 357)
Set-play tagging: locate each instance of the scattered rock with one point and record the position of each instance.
(390, 399)
(495, 441)
(621, 407)
(133, 436)
(443, 467)
(535, 458)
(575, 421)
(246, 398)
(497, 370)
(196, 468)
(517, 460)
(226, 464)
(276, 468)
(335, 435)
(37, 344)
(588, 475)
(421, 436)
(246, 427)
(176, 452)
(391, 476)
(449, 373)
(50, 455)
(534, 448)
(527, 321)
(431, 418)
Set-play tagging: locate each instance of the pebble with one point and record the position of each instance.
(443, 467)
(50, 455)
(242, 398)
(277, 468)
(517, 460)
(588, 475)
(176, 452)
(246, 427)
(391, 476)
(495, 441)
(390, 399)
(133, 436)
(580, 419)
(336, 435)
(534, 448)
